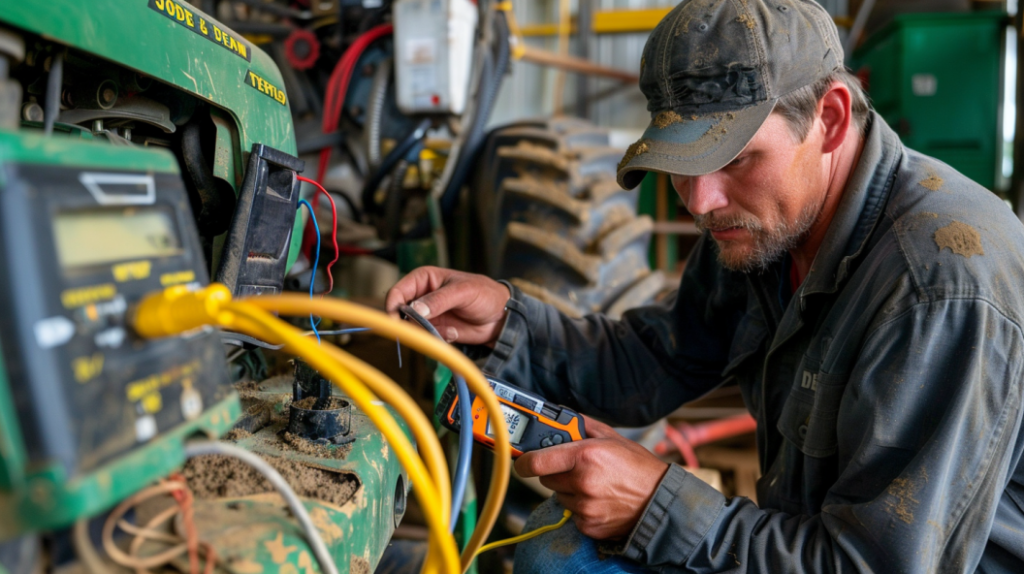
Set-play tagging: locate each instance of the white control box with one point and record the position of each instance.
(434, 42)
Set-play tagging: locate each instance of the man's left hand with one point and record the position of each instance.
(606, 480)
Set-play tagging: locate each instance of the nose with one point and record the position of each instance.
(701, 194)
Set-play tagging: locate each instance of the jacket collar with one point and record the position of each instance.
(859, 210)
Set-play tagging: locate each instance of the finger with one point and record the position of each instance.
(597, 429)
(563, 483)
(450, 295)
(547, 461)
(419, 282)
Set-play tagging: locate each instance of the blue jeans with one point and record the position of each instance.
(565, 550)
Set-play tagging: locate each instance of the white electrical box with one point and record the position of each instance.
(433, 54)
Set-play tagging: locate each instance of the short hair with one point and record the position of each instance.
(800, 106)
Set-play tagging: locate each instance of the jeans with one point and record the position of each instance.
(565, 550)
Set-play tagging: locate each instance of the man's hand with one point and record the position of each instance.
(605, 480)
(463, 307)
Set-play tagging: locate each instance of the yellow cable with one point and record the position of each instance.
(391, 393)
(416, 338)
(425, 486)
(517, 539)
(177, 310)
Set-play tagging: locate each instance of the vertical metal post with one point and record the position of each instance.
(1016, 192)
(584, 39)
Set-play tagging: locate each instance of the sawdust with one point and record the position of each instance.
(747, 21)
(359, 565)
(933, 182)
(960, 238)
(635, 149)
(903, 491)
(665, 119)
(308, 447)
(215, 476)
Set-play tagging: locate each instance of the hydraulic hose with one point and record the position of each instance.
(399, 152)
(490, 86)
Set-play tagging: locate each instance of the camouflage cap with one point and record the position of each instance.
(712, 71)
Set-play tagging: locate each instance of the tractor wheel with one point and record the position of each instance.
(556, 224)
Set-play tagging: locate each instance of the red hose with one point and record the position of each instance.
(685, 437)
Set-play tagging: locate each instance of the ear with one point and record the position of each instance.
(834, 116)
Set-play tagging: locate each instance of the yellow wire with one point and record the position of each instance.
(425, 486)
(517, 539)
(383, 325)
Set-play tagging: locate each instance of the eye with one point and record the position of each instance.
(740, 160)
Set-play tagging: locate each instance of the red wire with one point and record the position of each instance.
(334, 100)
(334, 231)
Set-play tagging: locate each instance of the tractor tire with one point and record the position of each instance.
(554, 222)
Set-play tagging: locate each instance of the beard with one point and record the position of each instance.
(770, 243)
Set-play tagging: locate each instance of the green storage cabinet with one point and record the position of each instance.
(937, 80)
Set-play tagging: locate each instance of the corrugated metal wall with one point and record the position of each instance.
(529, 90)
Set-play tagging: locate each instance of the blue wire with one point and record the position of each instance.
(465, 449)
(316, 261)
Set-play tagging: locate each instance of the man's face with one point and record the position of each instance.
(765, 201)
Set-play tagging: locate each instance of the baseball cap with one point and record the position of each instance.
(712, 71)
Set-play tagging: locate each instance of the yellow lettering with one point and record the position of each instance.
(202, 27)
(85, 295)
(176, 278)
(189, 20)
(280, 96)
(179, 13)
(243, 50)
(159, 4)
(86, 368)
(152, 403)
(169, 8)
(217, 34)
(132, 270)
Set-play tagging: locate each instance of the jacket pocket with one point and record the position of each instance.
(808, 419)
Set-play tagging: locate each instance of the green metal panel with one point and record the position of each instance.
(136, 35)
(50, 501)
(12, 446)
(247, 528)
(142, 35)
(64, 150)
(937, 80)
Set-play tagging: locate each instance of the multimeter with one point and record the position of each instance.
(533, 423)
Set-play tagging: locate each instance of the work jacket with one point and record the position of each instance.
(887, 389)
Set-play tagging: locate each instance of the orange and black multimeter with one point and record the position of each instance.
(533, 423)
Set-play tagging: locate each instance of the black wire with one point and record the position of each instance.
(53, 86)
(490, 84)
(411, 313)
(399, 152)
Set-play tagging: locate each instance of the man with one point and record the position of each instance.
(867, 300)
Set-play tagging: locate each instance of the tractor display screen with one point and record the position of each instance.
(98, 236)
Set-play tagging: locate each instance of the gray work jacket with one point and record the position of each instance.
(887, 391)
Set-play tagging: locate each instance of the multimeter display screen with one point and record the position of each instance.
(516, 422)
(93, 237)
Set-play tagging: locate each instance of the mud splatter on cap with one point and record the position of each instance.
(712, 72)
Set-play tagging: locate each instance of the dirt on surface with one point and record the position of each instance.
(359, 565)
(308, 402)
(215, 476)
(933, 182)
(960, 238)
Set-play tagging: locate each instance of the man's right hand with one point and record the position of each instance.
(464, 307)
